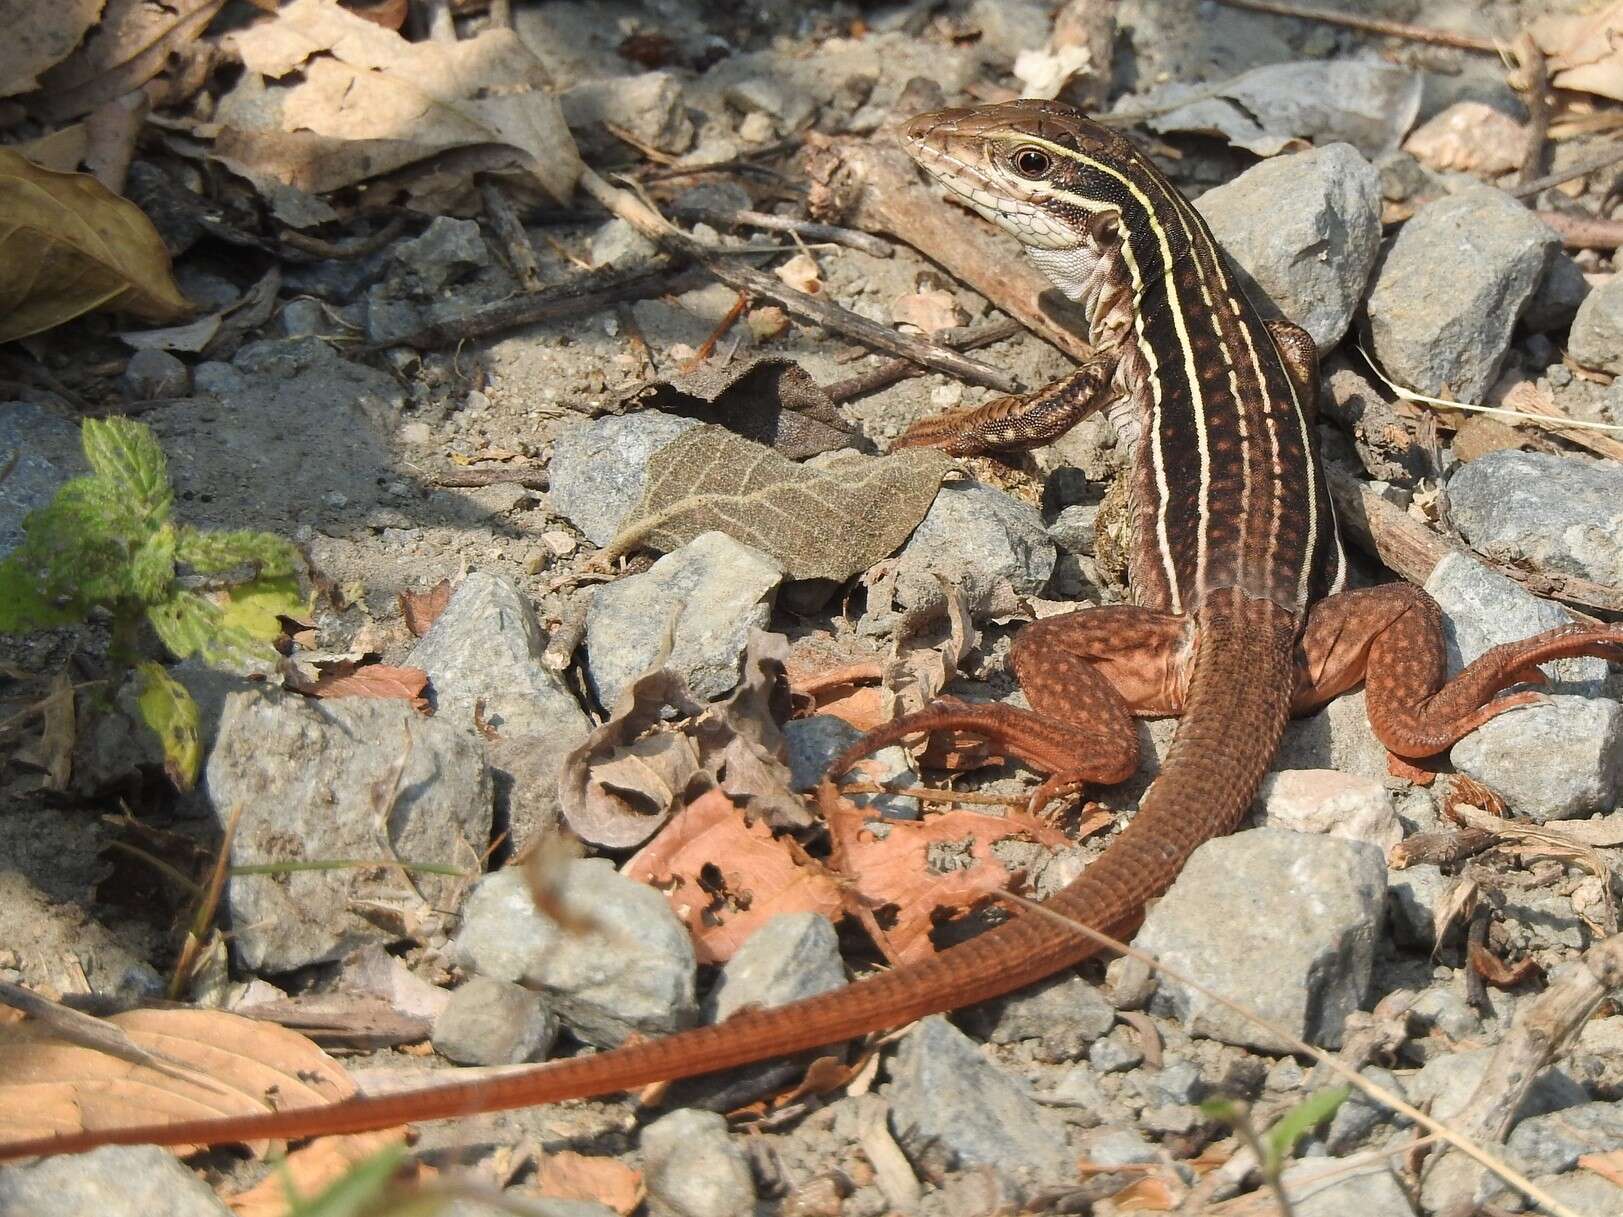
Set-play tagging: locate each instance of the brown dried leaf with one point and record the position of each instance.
(1608, 1166)
(244, 1066)
(309, 1170)
(929, 311)
(726, 875)
(1151, 1194)
(423, 609)
(1496, 971)
(801, 273)
(825, 522)
(349, 679)
(1584, 52)
(40, 36)
(131, 45)
(923, 873)
(68, 246)
(400, 102)
(566, 1175)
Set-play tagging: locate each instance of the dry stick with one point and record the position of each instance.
(959, 338)
(809, 230)
(1604, 161)
(472, 479)
(798, 304)
(358, 248)
(1584, 232)
(1532, 80)
(1370, 25)
(1607, 970)
(515, 241)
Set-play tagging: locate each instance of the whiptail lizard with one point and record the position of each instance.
(1241, 616)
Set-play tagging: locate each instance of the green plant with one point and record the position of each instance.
(107, 543)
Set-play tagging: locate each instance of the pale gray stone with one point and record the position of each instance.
(1552, 761)
(1324, 1187)
(792, 956)
(944, 1092)
(1555, 1141)
(483, 658)
(1113, 1147)
(1414, 895)
(151, 374)
(632, 972)
(113, 1181)
(307, 777)
(1596, 340)
(1065, 1015)
(648, 104)
(448, 251)
(980, 537)
(694, 1169)
(1449, 331)
(616, 243)
(1327, 801)
(705, 597)
(1312, 907)
(1304, 229)
(599, 468)
(494, 1022)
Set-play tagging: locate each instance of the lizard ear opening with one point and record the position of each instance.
(1104, 229)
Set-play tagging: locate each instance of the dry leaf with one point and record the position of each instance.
(1496, 971)
(422, 609)
(1150, 1194)
(68, 246)
(801, 273)
(820, 522)
(130, 45)
(347, 679)
(400, 102)
(310, 1169)
(243, 1065)
(727, 876)
(1471, 137)
(929, 311)
(40, 37)
(1608, 1166)
(1584, 53)
(566, 1175)
(918, 874)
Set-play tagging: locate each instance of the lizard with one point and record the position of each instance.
(1241, 615)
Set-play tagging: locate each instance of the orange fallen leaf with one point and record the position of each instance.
(566, 1175)
(1146, 1195)
(310, 1169)
(914, 875)
(1608, 1166)
(372, 680)
(223, 1065)
(422, 609)
(726, 875)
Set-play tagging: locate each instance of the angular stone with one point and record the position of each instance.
(348, 777)
(1326, 801)
(1066, 1015)
(1324, 1187)
(1596, 340)
(1552, 761)
(694, 1169)
(113, 1181)
(494, 1022)
(599, 468)
(632, 972)
(980, 536)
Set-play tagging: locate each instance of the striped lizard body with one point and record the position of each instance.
(1240, 615)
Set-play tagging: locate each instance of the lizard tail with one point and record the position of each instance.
(1235, 712)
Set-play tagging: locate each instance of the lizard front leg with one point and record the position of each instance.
(1392, 637)
(1015, 423)
(1087, 675)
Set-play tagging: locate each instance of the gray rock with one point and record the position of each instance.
(1596, 340)
(1116, 1052)
(1337, 737)
(1435, 331)
(447, 252)
(1008, 27)
(1564, 513)
(1312, 907)
(1444, 1084)
(114, 1181)
(1482, 608)
(1343, 805)
(153, 374)
(793, 956)
(1072, 529)
(494, 1022)
(1414, 896)
(343, 778)
(1551, 762)
(484, 652)
(212, 378)
(599, 468)
(303, 316)
(1325, 1187)
(788, 106)
(706, 597)
(1555, 1141)
(42, 449)
(945, 1093)
(1171, 1119)
(813, 743)
(1305, 229)
(632, 972)
(1080, 1089)
(1066, 1014)
(649, 105)
(1175, 1083)
(1360, 1115)
(694, 1169)
(616, 243)
(373, 972)
(1583, 1192)
(979, 536)
(1538, 919)
(1558, 297)
(1114, 1147)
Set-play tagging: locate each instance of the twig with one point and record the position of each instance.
(798, 304)
(708, 346)
(1584, 232)
(1607, 973)
(1532, 80)
(468, 479)
(1604, 161)
(1370, 25)
(808, 229)
(929, 794)
(959, 338)
(357, 248)
(515, 241)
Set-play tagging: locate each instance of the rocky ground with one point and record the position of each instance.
(1350, 912)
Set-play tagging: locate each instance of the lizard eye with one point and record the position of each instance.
(1032, 162)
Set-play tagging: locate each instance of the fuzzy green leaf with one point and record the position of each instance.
(24, 604)
(152, 566)
(1300, 1120)
(185, 624)
(213, 553)
(169, 710)
(127, 455)
(256, 608)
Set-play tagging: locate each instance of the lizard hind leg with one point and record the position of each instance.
(1087, 675)
(1392, 637)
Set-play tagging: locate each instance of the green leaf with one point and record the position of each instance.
(152, 567)
(24, 605)
(359, 1192)
(213, 553)
(185, 624)
(1300, 1120)
(255, 608)
(126, 454)
(169, 710)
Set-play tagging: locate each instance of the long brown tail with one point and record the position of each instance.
(1238, 700)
